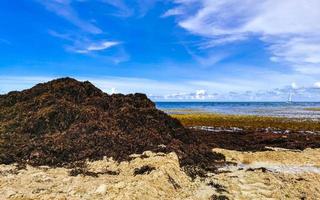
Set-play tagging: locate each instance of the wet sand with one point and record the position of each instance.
(280, 174)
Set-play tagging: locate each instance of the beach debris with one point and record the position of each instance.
(219, 188)
(255, 140)
(146, 169)
(219, 197)
(262, 169)
(110, 172)
(81, 171)
(173, 182)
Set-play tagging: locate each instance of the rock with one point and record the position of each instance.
(102, 189)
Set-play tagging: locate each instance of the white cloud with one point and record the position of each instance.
(82, 44)
(184, 96)
(208, 60)
(97, 47)
(294, 85)
(317, 84)
(209, 43)
(113, 91)
(290, 27)
(173, 12)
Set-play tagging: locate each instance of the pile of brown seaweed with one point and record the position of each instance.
(65, 121)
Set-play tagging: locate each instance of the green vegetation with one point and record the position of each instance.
(247, 122)
(312, 109)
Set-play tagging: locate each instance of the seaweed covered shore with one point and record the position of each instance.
(266, 157)
(252, 133)
(248, 122)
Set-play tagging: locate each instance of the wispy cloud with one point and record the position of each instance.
(173, 12)
(291, 28)
(89, 39)
(96, 47)
(64, 9)
(208, 60)
(82, 44)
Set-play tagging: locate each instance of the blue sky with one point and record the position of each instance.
(217, 50)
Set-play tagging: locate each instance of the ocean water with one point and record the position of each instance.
(278, 109)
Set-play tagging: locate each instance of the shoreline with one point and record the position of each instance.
(247, 122)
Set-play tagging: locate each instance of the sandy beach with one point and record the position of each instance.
(276, 174)
(166, 181)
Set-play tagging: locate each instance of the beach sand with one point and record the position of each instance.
(166, 181)
(279, 174)
(275, 174)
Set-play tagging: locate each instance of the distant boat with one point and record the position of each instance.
(290, 98)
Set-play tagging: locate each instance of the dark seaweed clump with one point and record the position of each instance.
(65, 121)
(146, 169)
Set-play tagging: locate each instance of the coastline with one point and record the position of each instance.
(252, 172)
(247, 122)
